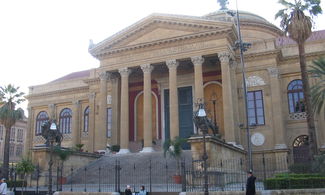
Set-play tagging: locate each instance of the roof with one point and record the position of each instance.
(285, 40)
(74, 75)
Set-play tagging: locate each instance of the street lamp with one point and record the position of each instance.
(242, 46)
(201, 122)
(52, 134)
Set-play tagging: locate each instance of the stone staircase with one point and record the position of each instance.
(135, 168)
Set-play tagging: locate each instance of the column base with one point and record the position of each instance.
(280, 146)
(147, 149)
(124, 151)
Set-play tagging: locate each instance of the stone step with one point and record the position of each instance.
(140, 167)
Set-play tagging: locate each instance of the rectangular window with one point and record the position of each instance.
(20, 135)
(109, 122)
(255, 108)
(11, 149)
(19, 150)
(12, 134)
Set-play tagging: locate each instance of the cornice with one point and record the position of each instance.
(307, 55)
(252, 56)
(162, 42)
(58, 92)
(93, 81)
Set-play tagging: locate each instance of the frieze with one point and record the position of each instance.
(253, 81)
(162, 52)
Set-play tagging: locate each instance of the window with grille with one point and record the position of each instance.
(20, 135)
(19, 150)
(109, 122)
(12, 134)
(41, 118)
(296, 97)
(86, 119)
(255, 108)
(65, 121)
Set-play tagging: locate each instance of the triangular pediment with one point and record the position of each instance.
(158, 28)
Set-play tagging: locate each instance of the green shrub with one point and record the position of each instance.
(295, 181)
(115, 148)
(301, 168)
(19, 183)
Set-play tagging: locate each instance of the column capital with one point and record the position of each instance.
(111, 77)
(92, 95)
(224, 57)
(233, 63)
(197, 60)
(146, 68)
(172, 64)
(125, 72)
(103, 75)
(273, 72)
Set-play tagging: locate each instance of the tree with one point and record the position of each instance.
(24, 167)
(298, 26)
(173, 148)
(9, 98)
(318, 90)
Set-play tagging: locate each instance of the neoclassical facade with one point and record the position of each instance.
(153, 72)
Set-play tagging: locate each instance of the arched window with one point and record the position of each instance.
(86, 119)
(296, 96)
(41, 118)
(65, 121)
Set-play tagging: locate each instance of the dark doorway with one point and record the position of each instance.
(301, 149)
(185, 103)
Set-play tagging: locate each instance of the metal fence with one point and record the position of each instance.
(161, 176)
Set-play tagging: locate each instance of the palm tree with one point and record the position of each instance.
(25, 167)
(9, 98)
(298, 26)
(318, 90)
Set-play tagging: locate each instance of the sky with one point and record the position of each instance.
(42, 40)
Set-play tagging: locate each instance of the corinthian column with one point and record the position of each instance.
(100, 134)
(91, 129)
(227, 95)
(147, 108)
(173, 98)
(198, 77)
(277, 115)
(28, 144)
(124, 119)
(75, 123)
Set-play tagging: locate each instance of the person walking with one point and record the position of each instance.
(3, 186)
(128, 190)
(250, 185)
(142, 191)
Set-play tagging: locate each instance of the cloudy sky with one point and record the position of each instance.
(41, 40)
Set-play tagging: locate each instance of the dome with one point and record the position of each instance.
(244, 17)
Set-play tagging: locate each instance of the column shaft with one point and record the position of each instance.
(147, 108)
(124, 120)
(277, 115)
(75, 123)
(115, 113)
(227, 95)
(28, 142)
(198, 77)
(173, 99)
(91, 128)
(100, 133)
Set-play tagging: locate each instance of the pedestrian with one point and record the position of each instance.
(3, 186)
(142, 191)
(128, 190)
(250, 185)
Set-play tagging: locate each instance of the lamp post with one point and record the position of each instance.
(52, 134)
(242, 46)
(200, 120)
